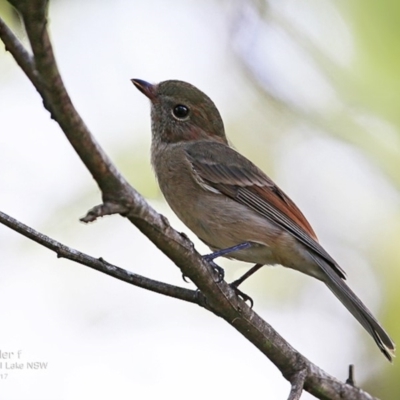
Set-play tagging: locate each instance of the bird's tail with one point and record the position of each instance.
(339, 288)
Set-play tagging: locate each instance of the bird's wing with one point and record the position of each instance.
(220, 168)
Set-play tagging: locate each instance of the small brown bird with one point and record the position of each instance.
(229, 203)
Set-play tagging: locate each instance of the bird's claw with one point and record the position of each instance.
(220, 276)
(217, 269)
(246, 298)
(185, 278)
(219, 272)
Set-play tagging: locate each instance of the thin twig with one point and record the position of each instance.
(351, 379)
(21, 56)
(100, 264)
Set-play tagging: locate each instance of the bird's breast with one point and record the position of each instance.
(216, 219)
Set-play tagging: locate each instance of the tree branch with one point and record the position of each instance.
(21, 56)
(99, 264)
(120, 197)
(297, 385)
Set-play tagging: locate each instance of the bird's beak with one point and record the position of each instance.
(146, 88)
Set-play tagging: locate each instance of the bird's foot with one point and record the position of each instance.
(220, 273)
(246, 298)
(219, 253)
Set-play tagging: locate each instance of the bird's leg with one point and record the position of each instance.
(250, 272)
(234, 285)
(219, 253)
(221, 273)
(223, 252)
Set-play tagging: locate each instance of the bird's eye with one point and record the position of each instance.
(180, 111)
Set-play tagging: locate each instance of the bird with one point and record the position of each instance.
(230, 203)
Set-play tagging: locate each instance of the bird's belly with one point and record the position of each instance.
(221, 222)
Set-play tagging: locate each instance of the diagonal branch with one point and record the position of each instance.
(44, 74)
(21, 56)
(100, 264)
(120, 197)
